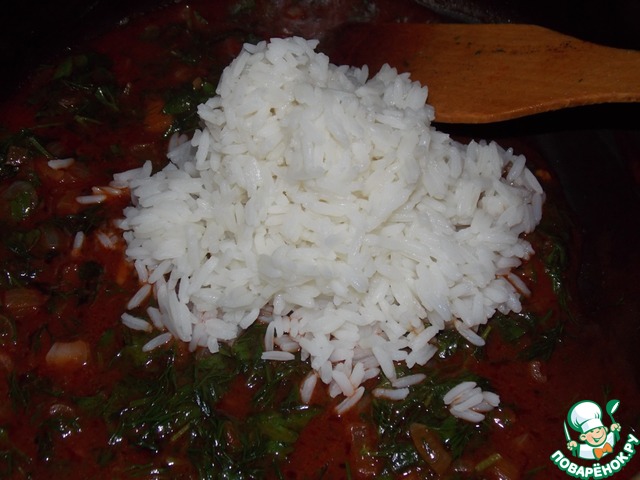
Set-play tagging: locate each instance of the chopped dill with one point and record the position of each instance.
(173, 402)
(544, 345)
(423, 405)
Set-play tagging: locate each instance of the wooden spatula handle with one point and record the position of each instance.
(491, 72)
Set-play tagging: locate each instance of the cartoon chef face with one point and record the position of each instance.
(595, 437)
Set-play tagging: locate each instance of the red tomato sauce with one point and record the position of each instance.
(53, 293)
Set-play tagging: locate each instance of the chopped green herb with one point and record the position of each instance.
(85, 221)
(22, 199)
(20, 242)
(182, 401)
(448, 342)
(182, 105)
(544, 345)
(424, 406)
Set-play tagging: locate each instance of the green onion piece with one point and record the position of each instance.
(487, 462)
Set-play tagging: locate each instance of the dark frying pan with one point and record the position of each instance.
(595, 151)
(33, 28)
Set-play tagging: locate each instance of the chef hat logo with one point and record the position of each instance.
(584, 416)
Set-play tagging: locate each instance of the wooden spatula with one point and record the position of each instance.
(484, 73)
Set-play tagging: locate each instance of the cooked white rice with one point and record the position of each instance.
(329, 198)
(469, 402)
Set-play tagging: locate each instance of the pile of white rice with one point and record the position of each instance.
(325, 204)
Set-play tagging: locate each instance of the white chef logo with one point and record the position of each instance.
(595, 442)
(585, 417)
